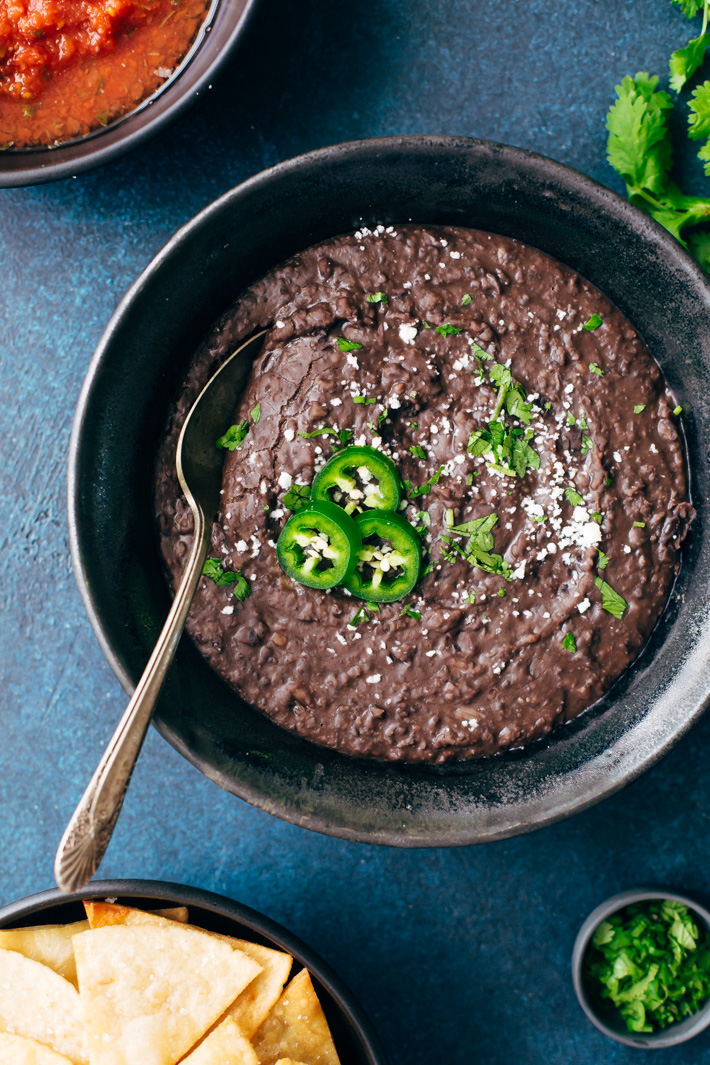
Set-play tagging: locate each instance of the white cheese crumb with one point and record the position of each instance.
(242, 546)
(584, 606)
(228, 610)
(627, 549)
(349, 357)
(617, 456)
(407, 333)
(285, 480)
(279, 324)
(336, 402)
(289, 434)
(374, 678)
(455, 254)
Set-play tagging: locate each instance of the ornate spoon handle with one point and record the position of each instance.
(89, 831)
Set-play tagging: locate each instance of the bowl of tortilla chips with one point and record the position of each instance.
(141, 972)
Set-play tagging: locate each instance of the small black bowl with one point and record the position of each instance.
(609, 1021)
(353, 1035)
(134, 376)
(219, 35)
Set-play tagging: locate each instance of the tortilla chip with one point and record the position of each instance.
(150, 991)
(16, 1050)
(100, 914)
(49, 944)
(39, 1004)
(225, 1045)
(254, 1004)
(288, 1061)
(296, 1028)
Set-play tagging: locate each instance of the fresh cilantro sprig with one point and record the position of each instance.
(234, 437)
(343, 436)
(423, 489)
(478, 549)
(612, 602)
(213, 569)
(651, 962)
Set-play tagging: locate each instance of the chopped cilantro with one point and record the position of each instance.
(256, 414)
(539, 519)
(412, 395)
(639, 525)
(344, 436)
(571, 418)
(548, 407)
(639, 408)
(367, 400)
(573, 497)
(612, 602)
(422, 489)
(594, 322)
(348, 345)
(481, 352)
(449, 518)
(597, 517)
(425, 324)
(425, 517)
(412, 613)
(417, 451)
(358, 618)
(383, 416)
(608, 481)
(603, 559)
(213, 569)
(234, 437)
(376, 297)
(479, 547)
(471, 597)
(501, 592)
(678, 410)
(651, 962)
(569, 643)
(448, 330)
(587, 444)
(429, 568)
(594, 368)
(297, 496)
(466, 299)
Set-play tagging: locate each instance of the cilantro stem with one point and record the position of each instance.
(499, 402)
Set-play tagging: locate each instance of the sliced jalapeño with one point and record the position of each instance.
(389, 560)
(358, 479)
(319, 545)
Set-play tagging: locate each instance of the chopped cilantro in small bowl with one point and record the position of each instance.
(641, 968)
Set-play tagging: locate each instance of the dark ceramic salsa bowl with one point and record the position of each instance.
(352, 1033)
(139, 365)
(220, 33)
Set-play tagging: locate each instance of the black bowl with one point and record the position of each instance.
(354, 1038)
(218, 37)
(132, 380)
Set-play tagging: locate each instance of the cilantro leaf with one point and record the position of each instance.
(612, 602)
(569, 643)
(677, 410)
(344, 436)
(417, 451)
(213, 569)
(422, 489)
(500, 375)
(573, 497)
(326, 430)
(348, 345)
(699, 119)
(478, 549)
(686, 61)
(466, 299)
(639, 408)
(234, 437)
(587, 444)
(412, 613)
(376, 297)
(594, 368)
(603, 559)
(481, 352)
(639, 145)
(594, 322)
(367, 400)
(447, 330)
(297, 496)
(689, 8)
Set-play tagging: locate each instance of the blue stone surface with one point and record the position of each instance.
(459, 956)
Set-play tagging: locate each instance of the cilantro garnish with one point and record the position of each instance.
(234, 437)
(357, 618)
(213, 569)
(587, 444)
(348, 345)
(471, 597)
(448, 330)
(422, 489)
(594, 368)
(367, 400)
(597, 517)
(678, 410)
(481, 352)
(479, 546)
(639, 408)
(466, 299)
(603, 559)
(256, 414)
(651, 962)
(639, 149)
(412, 613)
(571, 420)
(418, 451)
(376, 297)
(509, 449)
(573, 497)
(569, 643)
(612, 602)
(639, 525)
(297, 496)
(594, 322)
(344, 436)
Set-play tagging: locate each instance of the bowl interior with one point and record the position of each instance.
(353, 1037)
(223, 27)
(133, 379)
(602, 1013)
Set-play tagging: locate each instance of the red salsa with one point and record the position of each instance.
(70, 66)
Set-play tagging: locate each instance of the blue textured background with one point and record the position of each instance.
(459, 956)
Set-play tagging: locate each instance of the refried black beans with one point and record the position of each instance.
(481, 661)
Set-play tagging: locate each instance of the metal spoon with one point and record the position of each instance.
(199, 470)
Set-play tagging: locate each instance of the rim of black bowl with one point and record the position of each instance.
(409, 806)
(346, 1016)
(221, 32)
(676, 1033)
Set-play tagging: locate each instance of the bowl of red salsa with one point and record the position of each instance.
(82, 81)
